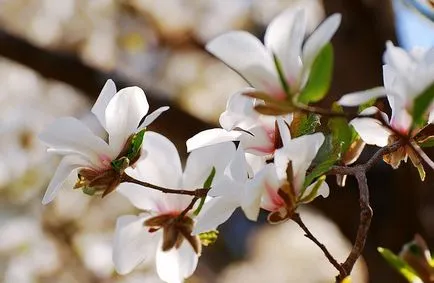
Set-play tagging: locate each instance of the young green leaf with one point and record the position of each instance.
(400, 265)
(320, 77)
(206, 185)
(304, 124)
(421, 104)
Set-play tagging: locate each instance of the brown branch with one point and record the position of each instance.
(198, 193)
(188, 208)
(297, 219)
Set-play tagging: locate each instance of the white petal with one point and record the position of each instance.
(247, 55)
(284, 37)
(210, 137)
(259, 140)
(285, 133)
(214, 212)
(397, 58)
(123, 115)
(151, 117)
(65, 168)
(132, 243)
(319, 38)
(431, 117)
(255, 163)
(106, 94)
(257, 187)
(175, 265)
(238, 108)
(201, 161)
(300, 151)
(323, 190)
(238, 169)
(360, 97)
(371, 131)
(68, 135)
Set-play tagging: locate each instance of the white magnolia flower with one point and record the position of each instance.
(161, 229)
(234, 189)
(120, 113)
(406, 75)
(258, 134)
(284, 39)
(287, 189)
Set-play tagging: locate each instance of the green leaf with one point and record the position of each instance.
(341, 131)
(120, 164)
(208, 238)
(421, 104)
(320, 77)
(400, 265)
(313, 194)
(427, 143)
(304, 124)
(206, 185)
(136, 145)
(367, 104)
(281, 74)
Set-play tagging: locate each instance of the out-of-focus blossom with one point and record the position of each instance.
(121, 114)
(163, 228)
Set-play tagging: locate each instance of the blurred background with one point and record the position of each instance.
(55, 56)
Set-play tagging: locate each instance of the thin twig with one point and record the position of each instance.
(297, 219)
(188, 208)
(201, 192)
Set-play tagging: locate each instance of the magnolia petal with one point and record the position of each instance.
(247, 55)
(257, 187)
(211, 137)
(285, 133)
(259, 140)
(300, 151)
(319, 38)
(214, 212)
(397, 58)
(106, 94)
(66, 167)
(360, 97)
(123, 115)
(431, 117)
(238, 108)
(284, 37)
(238, 169)
(200, 163)
(151, 117)
(323, 190)
(68, 135)
(371, 131)
(175, 265)
(132, 243)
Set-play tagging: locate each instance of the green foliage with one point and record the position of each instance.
(136, 145)
(313, 193)
(304, 124)
(207, 185)
(320, 77)
(342, 132)
(421, 104)
(208, 238)
(400, 265)
(120, 164)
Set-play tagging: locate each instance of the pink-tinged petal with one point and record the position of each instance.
(259, 140)
(200, 163)
(246, 55)
(132, 243)
(300, 151)
(238, 109)
(175, 265)
(431, 117)
(255, 188)
(371, 130)
(151, 117)
(319, 38)
(211, 137)
(401, 120)
(67, 166)
(123, 115)
(359, 97)
(68, 135)
(106, 94)
(323, 191)
(214, 213)
(271, 200)
(284, 37)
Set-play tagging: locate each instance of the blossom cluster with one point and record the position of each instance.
(271, 151)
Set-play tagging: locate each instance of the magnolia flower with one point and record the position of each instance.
(234, 189)
(406, 76)
(272, 188)
(161, 229)
(258, 134)
(120, 114)
(284, 39)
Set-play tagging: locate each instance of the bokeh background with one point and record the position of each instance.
(55, 56)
